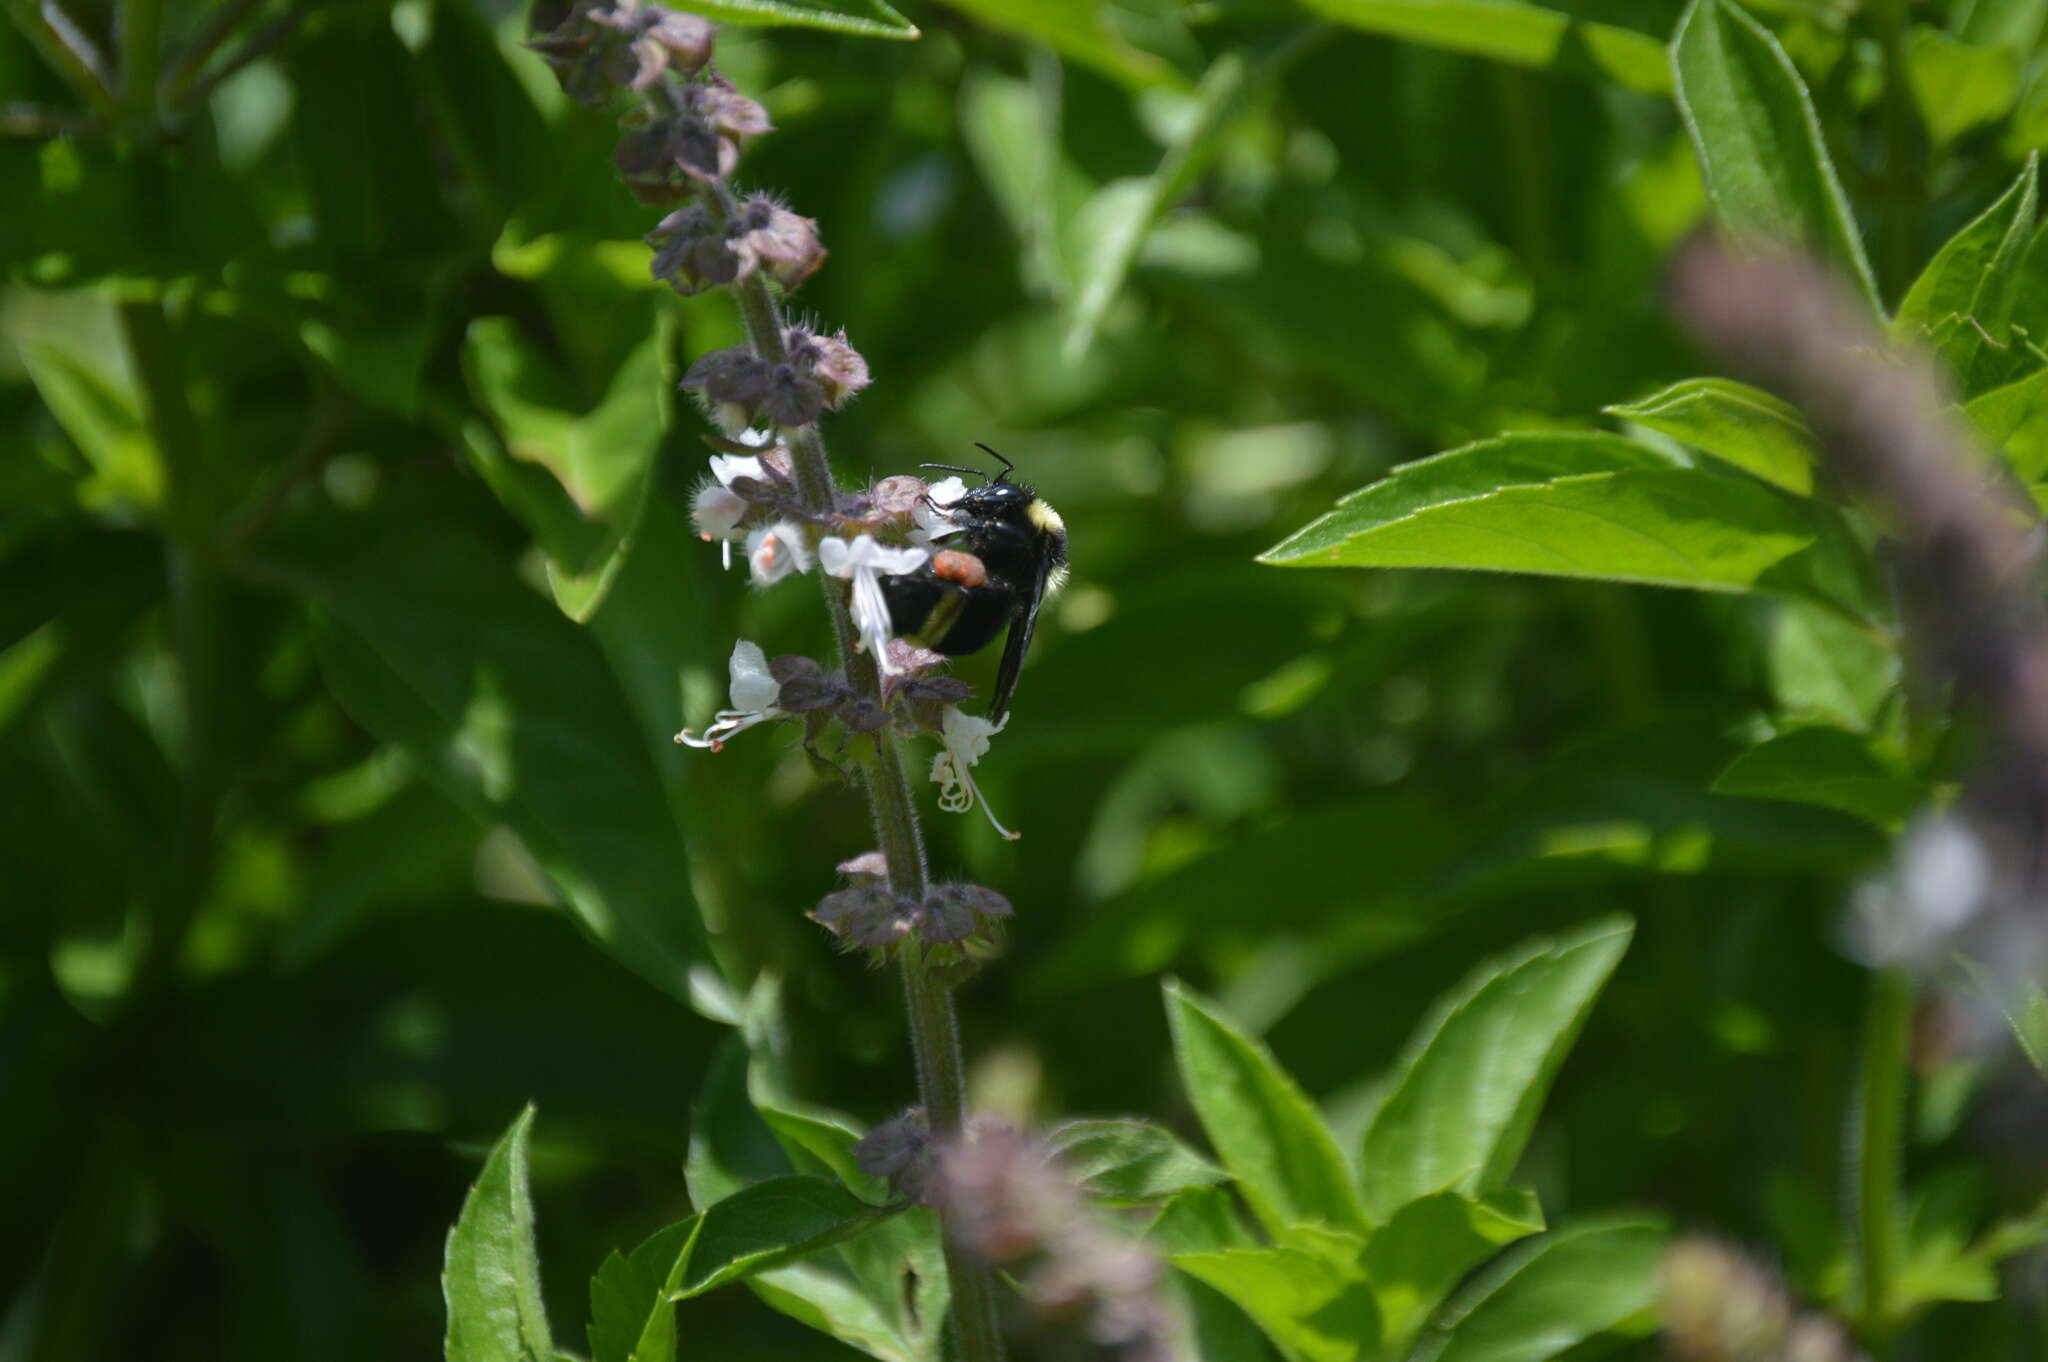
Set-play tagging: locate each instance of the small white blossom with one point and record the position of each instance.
(775, 551)
(966, 738)
(931, 513)
(726, 467)
(717, 512)
(754, 693)
(864, 560)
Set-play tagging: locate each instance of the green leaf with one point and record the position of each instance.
(1828, 668)
(93, 395)
(766, 1225)
(490, 1275)
(1552, 1294)
(1266, 1131)
(1533, 502)
(1430, 1244)
(1969, 280)
(1737, 424)
(1113, 224)
(1758, 139)
(754, 1230)
(598, 464)
(631, 1317)
(1130, 1161)
(430, 642)
(1465, 1094)
(1509, 31)
(2013, 421)
(1828, 767)
(2012, 24)
(1313, 1302)
(861, 18)
(1956, 85)
(1076, 29)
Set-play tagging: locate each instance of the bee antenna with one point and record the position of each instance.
(956, 468)
(1008, 467)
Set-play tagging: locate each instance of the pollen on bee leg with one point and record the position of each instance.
(955, 566)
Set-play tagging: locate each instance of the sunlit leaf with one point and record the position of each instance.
(861, 18)
(1551, 1294)
(1737, 424)
(490, 1278)
(1465, 1094)
(1513, 32)
(1265, 1130)
(1130, 1160)
(1565, 506)
(1759, 140)
(1315, 1304)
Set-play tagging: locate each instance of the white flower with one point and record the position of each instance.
(931, 513)
(966, 738)
(864, 560)
(1942, 878)
(726, 467)
(717, 512)
(754, 693)
(776, 551)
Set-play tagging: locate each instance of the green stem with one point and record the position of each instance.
(928, 1003)
(140, 26)
(1881, 1113)
(1900, 210)
(64, 45)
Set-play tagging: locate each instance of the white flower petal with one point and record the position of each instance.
(775, 551)
(753, 688)
(726, 467)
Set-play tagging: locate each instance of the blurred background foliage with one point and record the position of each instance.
(338, 403)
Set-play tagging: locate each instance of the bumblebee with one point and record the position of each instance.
(991, 571)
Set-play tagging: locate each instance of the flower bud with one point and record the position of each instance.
(866, 915)
(594, 49)
(834, 365)
(954, 912)
(692, 255)
(786, 243)
(899, 1152)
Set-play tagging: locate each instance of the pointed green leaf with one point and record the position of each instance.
(1266, 1131)
(1546, 504)
(1759, 142)
(1465, 1093)
(1828, 767)
(1551, 1294)
(490, 1275)
(1513, 32)
(766, 1225)
(1314, 1303)
(1969, 278)
(1827, 668)
(1737, 424)
(861, 18)
(1130, 1160)
(631, 1317)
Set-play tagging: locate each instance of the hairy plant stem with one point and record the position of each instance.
(1880, 1123)
(928, 1002)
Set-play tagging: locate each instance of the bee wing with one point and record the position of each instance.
(1018, 642)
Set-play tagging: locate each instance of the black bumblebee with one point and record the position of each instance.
(992, 570)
